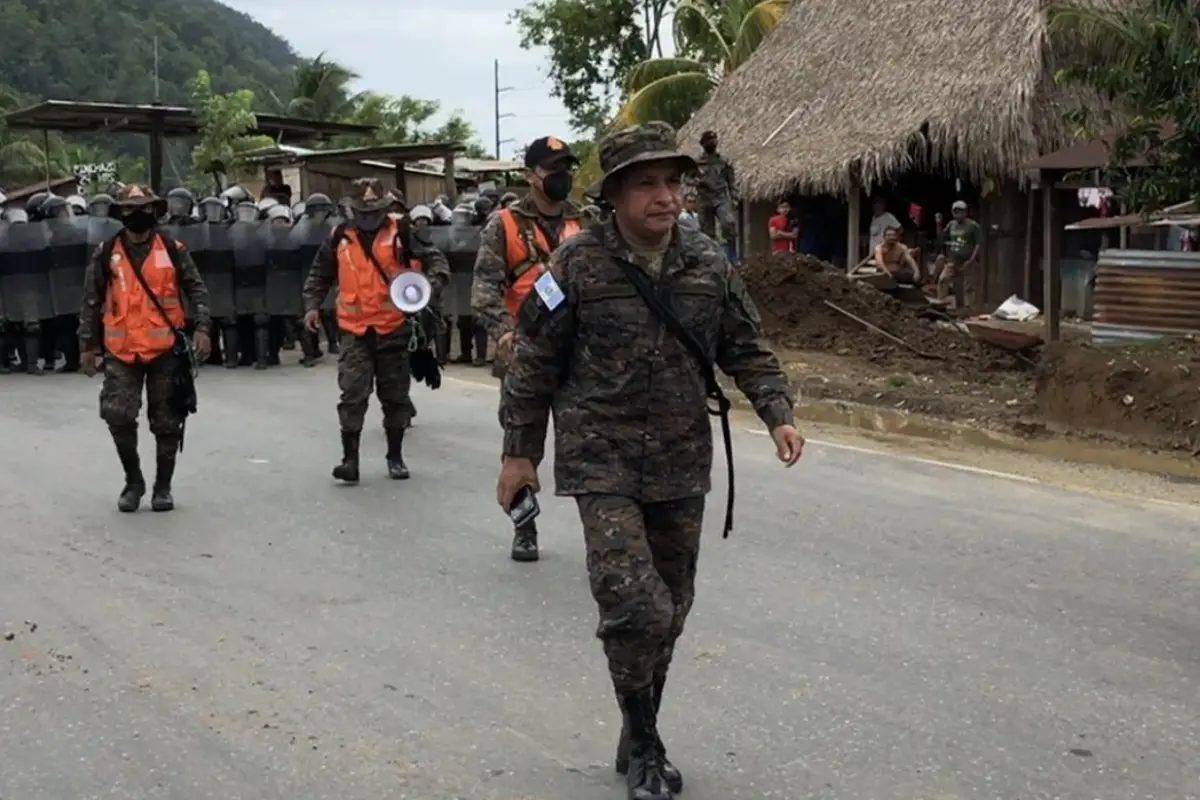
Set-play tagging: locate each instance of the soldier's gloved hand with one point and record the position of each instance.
(425, 368)
(88, 362)
(202, 345)
(515, 475)
(789, 444)
(312, 320)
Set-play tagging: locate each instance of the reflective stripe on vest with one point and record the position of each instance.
(133, 328)
(525, 266)
(363, 297)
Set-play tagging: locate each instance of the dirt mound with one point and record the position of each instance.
(791, 289)
(1148, 394)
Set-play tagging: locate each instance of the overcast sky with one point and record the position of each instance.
(433, 49)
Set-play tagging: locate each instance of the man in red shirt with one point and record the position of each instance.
(779, 228)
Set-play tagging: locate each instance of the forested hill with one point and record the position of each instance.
(104, 50)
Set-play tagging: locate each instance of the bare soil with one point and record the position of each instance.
(1072, 388)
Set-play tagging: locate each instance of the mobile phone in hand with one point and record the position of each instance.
(524, 508)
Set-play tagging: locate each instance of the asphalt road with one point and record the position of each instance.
(876, 628)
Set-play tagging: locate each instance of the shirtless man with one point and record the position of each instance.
(894, 256)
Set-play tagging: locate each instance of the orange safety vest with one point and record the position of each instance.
(364, 300)
(133, 327)
(524, 256)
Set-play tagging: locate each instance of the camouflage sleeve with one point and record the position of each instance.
(745, 356)
(321, 277)
(533, 377)
(95, 287)
(433, 263)
(491, 278)
(731, 180)
(194, 288)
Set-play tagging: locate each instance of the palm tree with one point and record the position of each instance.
(321, 90)
(712, 39)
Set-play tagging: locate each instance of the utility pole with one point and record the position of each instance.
(498, 90)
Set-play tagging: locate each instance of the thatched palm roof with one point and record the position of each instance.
(848, 88)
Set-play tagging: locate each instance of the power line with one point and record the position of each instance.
(497, 90)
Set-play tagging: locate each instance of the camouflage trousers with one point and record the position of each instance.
(641, 560)
(378, 363)
(719, 214)
(121, 396)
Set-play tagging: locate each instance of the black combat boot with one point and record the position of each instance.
(230, 344)
(311, 345)
(481, 337)
(135, 484)
(262, 347)
(525, 544)
(644, 764)
(397, 469)
(672, 776)
(160, 498)
(33, 354)
(348, 470)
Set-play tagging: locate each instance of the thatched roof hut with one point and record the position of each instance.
(868, 89)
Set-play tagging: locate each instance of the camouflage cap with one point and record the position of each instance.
(368, 194)
(135, 195)
(640, 144)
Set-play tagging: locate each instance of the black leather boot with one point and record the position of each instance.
(33, 354)
(525, 543)
(231, 346)
(348, 470)
(160, 498)
(481, 341)
(644, 768)
(672, 776)
(135, 484)
(262, 347)
(311, 345)
(397, 469)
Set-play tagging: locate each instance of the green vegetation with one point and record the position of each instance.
(210, 57)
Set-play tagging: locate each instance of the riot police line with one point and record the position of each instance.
(254, 258)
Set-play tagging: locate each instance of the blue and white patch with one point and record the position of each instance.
(548, 289)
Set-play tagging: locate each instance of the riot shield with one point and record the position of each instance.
(249, 268)
(25, 280)
(194, 238)
(285, 278)
(460, 245)
(309, 234)
(218, 270)
(68, 261)
(331, 299)
(4, 260)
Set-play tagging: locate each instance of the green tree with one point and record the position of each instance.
(321, 91)
(592, 45)
(1142, 61)
(404, 120)
(225, 120)
(712, 39)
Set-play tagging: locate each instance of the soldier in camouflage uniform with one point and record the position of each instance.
(139, 344)
(514, 247)
(714, 193)
(633, 442)
(362, 257)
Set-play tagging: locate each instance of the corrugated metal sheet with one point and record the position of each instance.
(1152, 292)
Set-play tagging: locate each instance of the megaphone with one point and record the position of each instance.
(411, 291)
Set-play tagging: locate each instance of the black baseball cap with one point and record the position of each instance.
(547, 150)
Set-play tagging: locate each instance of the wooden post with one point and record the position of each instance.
(1030, 219)
(156, 153)
(854, 220)
(448, 172)
(1123, 241)
(402, 183)
(1051, 266)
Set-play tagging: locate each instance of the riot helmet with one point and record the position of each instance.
(55, 207)
(15, 216)
(212, 210)
(421, 216)
(298, 209)
(100, 205)
(3, 198)
(33, 206)
(78, 205)
(245, 211)
(235, 194)
(483, 208)
(318, 206)
(265, 205)
(279, 214)
(180, 202)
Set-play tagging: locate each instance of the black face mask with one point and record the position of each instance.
(710, 147)
(138, 221)
(557, 186)
(368, 220)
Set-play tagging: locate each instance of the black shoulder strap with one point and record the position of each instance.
(659, 308)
